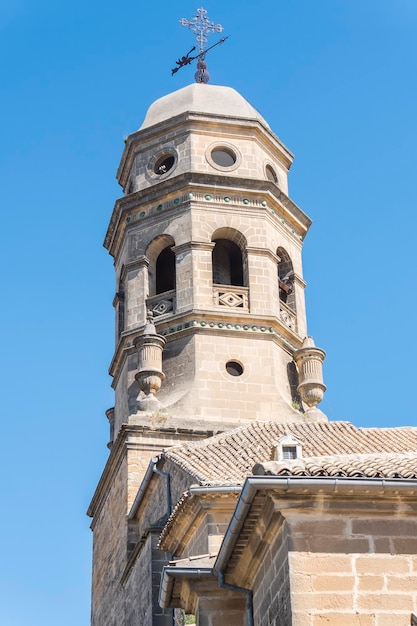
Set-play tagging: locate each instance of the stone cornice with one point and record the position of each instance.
(205, 183)
(299, 281)
(262, 252)
(221, 322)
(229, 323)
(193, 245)
(124, 441)
(118, 297)
(138, 263)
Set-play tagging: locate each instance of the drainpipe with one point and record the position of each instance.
(248, 599)
(167, 477)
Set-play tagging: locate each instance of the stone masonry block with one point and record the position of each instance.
(344, 619)
(393, 602)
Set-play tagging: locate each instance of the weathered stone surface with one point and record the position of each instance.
(232, 316)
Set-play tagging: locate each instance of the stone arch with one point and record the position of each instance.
(229, 259)
(286, 279)
(161, 271)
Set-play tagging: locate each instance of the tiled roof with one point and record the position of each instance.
(347, 465)
(230, 457)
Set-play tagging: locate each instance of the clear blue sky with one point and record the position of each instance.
(336, 79)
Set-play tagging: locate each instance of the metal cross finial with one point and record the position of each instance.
(201, 26)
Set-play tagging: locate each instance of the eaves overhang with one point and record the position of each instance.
(189, 508)
(304, 486)
(172, 574)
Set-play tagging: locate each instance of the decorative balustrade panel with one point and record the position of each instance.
(232, 297)
(287, 316)
(162, 303)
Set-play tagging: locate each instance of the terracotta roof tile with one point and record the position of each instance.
(347, 465)
(229, 458)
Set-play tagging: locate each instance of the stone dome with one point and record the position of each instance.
(200, 98)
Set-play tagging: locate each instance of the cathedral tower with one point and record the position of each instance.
(208, 244)
(210, 314)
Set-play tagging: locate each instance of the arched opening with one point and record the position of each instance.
(286, 279)
(271, 174)
(227, 263)
(165, 271)
(230, 269)
(161, 275)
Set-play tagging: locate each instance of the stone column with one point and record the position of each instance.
(263, 282)
(136, 292)
(301, 324)
(194, 276)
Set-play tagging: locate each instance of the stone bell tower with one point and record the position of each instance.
(207, 245)
(210, 313)
(211, 326)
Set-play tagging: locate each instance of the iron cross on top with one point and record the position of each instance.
(202, 27)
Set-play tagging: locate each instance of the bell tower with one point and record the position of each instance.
(207, 250)
(211, 328)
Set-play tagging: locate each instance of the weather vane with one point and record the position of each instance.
(202, 27)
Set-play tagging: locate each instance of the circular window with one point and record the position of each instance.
(223, 157)
(270, 174)
(234, 368)
(164, 164)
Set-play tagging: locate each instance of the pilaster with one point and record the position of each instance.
(136, 292)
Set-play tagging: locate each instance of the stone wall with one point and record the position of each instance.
(207, 535)
(141, 579)
(353, 589)
(220, 611)
(198, 384)
(346, 559)
(141, 589)
(109, 553)
(271, 597)
(351, 561)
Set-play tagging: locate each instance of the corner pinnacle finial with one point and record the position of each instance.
(202, 27)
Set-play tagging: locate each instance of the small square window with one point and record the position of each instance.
(288, 448)
(289, 452)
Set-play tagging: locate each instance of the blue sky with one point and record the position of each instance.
(336, 80)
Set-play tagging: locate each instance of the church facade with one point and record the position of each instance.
(227, 494)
